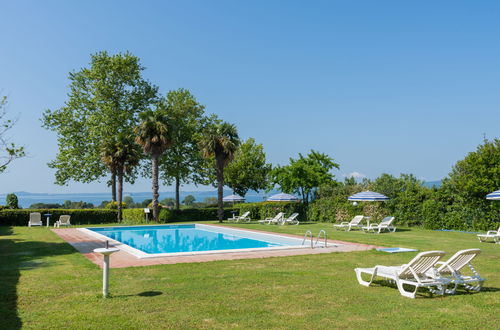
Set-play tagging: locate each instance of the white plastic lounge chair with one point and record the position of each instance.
(63, 221)
(354, 223)
(494, 235)
(35, 219)
(275, 220)
(385, 224)
(291, 220)
(411, 274)
(244, 216)
(450, 270)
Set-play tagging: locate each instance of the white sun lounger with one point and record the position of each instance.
(63, 221)
(385, 224)
(354, 223)
(35, 219)
(244, 216)
(450, 269)
(411, 274)
(291, 220)
(276, 220)
(494, 235)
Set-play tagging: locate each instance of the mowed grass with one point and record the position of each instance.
(45, 283)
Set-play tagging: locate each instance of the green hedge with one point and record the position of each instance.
(263, 210)
(136, 216)
(78, 217)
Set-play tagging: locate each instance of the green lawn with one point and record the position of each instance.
(45, 283)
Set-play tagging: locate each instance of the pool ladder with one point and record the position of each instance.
(313, 245)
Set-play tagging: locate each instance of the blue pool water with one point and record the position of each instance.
(179, 238)
(396, 250)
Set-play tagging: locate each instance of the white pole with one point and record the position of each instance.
(105, 268)
(105, 276)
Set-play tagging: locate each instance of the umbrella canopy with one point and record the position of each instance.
(368, 196)
(282, 197)
(233, 198)
(494, 196)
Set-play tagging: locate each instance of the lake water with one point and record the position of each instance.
(26, 198)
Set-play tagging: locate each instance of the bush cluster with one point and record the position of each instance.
(78, 217)
(263, 210)
(135, 216)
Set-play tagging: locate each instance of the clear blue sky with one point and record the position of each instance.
(381, 86)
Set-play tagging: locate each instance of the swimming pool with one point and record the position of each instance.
(173, 240)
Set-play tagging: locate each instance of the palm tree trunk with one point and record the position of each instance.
(120, 194)
(154, 175)
(177, 197)
(113, 186)
(220, 187)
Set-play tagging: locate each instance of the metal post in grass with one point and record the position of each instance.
(106, 252)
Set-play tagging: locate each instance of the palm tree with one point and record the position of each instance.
(120, 154)
(154, 135)
(219, 140)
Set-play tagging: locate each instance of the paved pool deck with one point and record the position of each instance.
(86, 244)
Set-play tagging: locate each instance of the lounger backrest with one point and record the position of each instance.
(459, 260)
(279, 216)
(356, 220)
(420, 264)
(64, 219)
(498, 231)
(387, 221)
(244, 215)
(293, 216)
(35, 217)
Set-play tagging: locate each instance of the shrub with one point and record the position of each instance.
(168, 215)
(11, 201)
(114, 205)
(134, 216)
(78, 217)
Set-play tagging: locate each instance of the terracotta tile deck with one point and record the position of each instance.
(86, 244)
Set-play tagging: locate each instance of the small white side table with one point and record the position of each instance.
(106, 252)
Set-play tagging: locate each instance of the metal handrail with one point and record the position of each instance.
(319, 236)
(305, 237)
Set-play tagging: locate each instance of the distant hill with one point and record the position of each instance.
(430, 184)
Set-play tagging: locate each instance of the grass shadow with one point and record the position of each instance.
(141, 294)
(18, 255)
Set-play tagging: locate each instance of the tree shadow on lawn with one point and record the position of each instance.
(18, 255)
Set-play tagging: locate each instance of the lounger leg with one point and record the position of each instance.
(405, 293)
(360, 279)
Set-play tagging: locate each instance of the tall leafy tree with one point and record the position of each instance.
(8, 150)
(154, 134)
(304, 175)
(183, 162)
(121, 154)
(248, 170)
(104, 100)
(219, 141)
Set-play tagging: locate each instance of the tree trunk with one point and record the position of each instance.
(220, 189)
(113, 187)
(154, 175)
(120, 194)
(177, 197)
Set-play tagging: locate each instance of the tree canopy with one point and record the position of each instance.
(305, 174)
(8, 150)
(248, 170)
(183, 163)
(104, 100)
